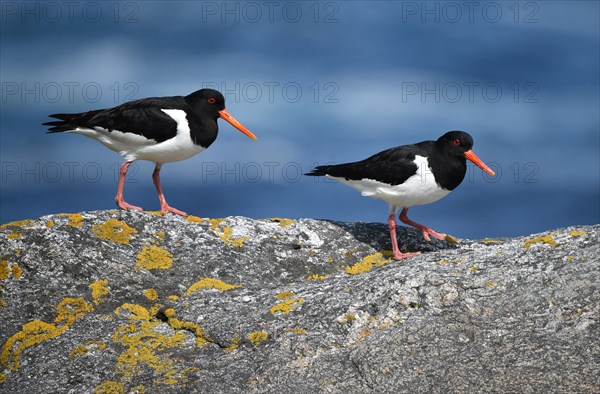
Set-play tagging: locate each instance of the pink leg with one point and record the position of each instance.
(424, 229)
(395, 250)
(164, 207)
(119, 197)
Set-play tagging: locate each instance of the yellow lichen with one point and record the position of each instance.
(114, 230)
(576, 233)
(14, 235)
(256, 337)
(37, 331)
(2, 378)
(160, 235)
(4, 271)
(155, 213)
(18, 223)
(491, 241)
(193, 219)
(451, 240)
(234, 344)
(570, 258)
(109, 387)
(367, 263)
(473, 269)
(99, 291)
(89, 346)
(137, 390)
(151, 294)
(210, 283)
(154, 257)
(444, 262)
(282, 222)
(75, 219)
(144, 344)
(547, 239)
(490, 284)
(286, 306)
(285, 294)
(173, 297)
(296, 330)
(229, 239)
(50, 223)
(316, 277)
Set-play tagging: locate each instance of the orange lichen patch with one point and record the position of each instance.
(136, 312)
(154, 257)
(210, 283)
(256, 337)
(37, 331)
(285, 294)
(109, 387)
(547, 239)
(173, 297)
(87, 347)
(50, 223)
(99, 291)
(576, 233)
(14, 235)
(282, 222)
(316, 277)
(151, 294)
(367, 263)
(444, 262)
(75, 219)
(193, 219)
(114, 230)
(18, 223)
(286, 306)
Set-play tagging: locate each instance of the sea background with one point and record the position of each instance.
(317, 82)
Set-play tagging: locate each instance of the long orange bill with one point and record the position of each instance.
(477, 161)
(234, 122)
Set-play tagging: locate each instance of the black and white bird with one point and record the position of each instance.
(409, 175)
(158, 129)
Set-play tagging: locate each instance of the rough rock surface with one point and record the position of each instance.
(118, 302)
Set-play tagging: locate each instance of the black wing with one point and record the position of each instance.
(393, 166)
(143, 117)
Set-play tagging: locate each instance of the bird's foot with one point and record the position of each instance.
(126, 206)
(400, 256)
(166, 208)
(426, 231)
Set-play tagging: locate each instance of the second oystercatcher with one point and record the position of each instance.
(158, 129)
(409, 175)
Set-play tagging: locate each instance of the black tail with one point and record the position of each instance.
(69, 122)
(319, 171)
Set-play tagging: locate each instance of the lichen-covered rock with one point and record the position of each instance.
(132, 302)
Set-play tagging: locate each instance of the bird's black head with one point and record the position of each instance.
(207, 101)
(455, 143)
(459, 144)
(211, 103)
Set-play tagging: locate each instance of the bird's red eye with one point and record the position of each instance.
(457, 142)
(211, 100)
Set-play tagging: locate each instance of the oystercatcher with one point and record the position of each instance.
(409, 175)
(158, 129)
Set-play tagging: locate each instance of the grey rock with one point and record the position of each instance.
(300, 306)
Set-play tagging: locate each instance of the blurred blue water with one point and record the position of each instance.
(317, 82)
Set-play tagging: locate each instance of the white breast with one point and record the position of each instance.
(137, 147)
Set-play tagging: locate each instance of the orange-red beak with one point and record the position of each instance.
(233, 121)
(477, 161)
